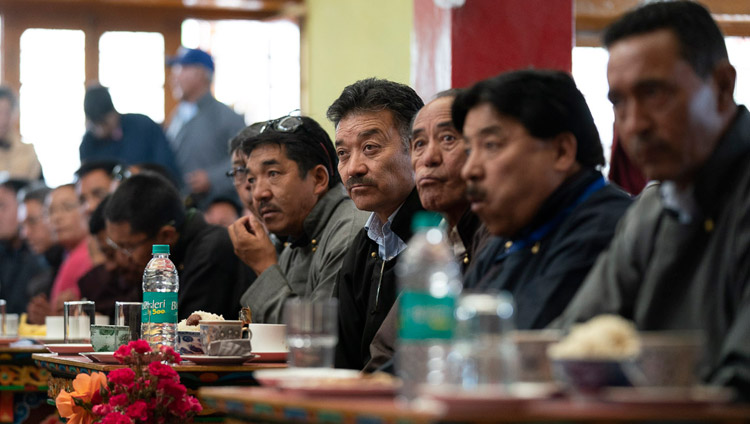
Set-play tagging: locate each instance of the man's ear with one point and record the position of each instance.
(167, 235)
(566, 149)
(320, 177)
(725, 77)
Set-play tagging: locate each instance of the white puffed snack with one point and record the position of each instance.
(602, 337)
(205, 316)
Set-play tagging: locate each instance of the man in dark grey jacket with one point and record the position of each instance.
(297, 193)
(680, 259)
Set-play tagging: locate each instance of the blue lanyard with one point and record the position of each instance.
(550, 225)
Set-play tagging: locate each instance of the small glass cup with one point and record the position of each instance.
(483, 354)
(312, 331)
(10, 329)
(78, 317)
(129, 314)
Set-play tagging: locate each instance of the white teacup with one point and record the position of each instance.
(268, 337)
(54, 327)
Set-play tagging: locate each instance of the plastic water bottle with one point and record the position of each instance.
(160, 286)
(429, 278)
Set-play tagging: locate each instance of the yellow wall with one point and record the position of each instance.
(347, 40)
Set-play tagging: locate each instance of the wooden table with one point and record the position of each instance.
(62, 370)
(254, 404)
(23, 386)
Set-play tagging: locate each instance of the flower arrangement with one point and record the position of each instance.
(148, 391)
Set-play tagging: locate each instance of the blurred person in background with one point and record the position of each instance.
(223, 211)
(209, 272)
(128, 138)
(17, 158)
(200, 127)
(94, 182)
(238, 170)
(70, 227)
(18, 263)
(38, 233)
(105, 283)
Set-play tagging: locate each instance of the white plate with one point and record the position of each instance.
(218, 360)
(279, 376)
(357, 386)
(102, 357)
(69, 348)
(516, 396)
(271, 356)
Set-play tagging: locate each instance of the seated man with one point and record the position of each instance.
(146, 209)
(297, 192)
(437, 156)
(372, 120)
(533, 179)
(95, 182)
(679, 259)
(128, 138)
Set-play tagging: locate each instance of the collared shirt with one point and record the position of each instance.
(681, 202)
(389, 244)
(185, 112)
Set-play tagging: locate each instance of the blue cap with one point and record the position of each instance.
(192, 57)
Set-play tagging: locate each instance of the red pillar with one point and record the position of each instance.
(455, 47)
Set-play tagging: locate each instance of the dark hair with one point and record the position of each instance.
(701, 42)
(374, 95)
(309, 145)
(35, 191)
(13, 184)
(147, 201)
(89, 166)
(246, 133)
(160, 169)
(97, 103)
(96, 221)
(9, 94)
(546, 103)
(228, 200)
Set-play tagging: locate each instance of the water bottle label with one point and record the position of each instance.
(159, 308)
(423, 316)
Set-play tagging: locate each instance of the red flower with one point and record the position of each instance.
(171, 388)
(195, 405)
(138, 411)
(140, 346)
(159, 370)
(102, 409)
(123, 376)
(116, 418)
(118, 400)
(170, 355)
(123, 353)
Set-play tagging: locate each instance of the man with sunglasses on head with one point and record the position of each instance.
(297, 193)
(146, 209)
(372, 119)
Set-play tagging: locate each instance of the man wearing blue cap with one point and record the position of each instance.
(200, 127)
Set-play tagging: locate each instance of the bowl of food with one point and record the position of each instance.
(591, 356)
(188, 332)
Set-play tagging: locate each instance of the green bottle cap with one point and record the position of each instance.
(425, 219)
(160, 248)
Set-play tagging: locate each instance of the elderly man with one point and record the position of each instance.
(679, 259)
(372, 119)
(533, 178)
(200, 127)
(297, 193)
(437, 156)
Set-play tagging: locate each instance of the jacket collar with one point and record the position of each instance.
(401, 224)
(317, 220)
(716, 175)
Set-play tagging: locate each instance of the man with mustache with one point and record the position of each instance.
(437, 156)
(680, 258)
(297, 192)
(372, 119)
(533, 177)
